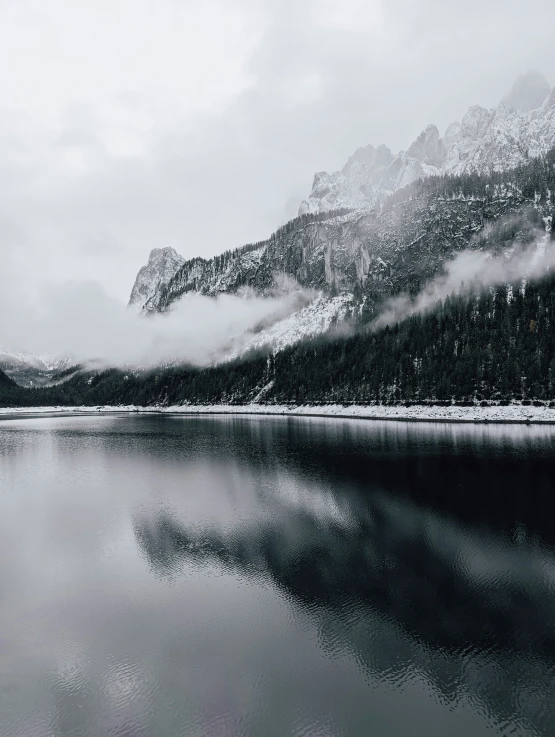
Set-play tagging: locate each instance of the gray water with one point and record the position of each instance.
(167, 576)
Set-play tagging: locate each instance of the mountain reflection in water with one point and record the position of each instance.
(307, 577)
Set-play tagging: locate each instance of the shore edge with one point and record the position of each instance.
(511, 414)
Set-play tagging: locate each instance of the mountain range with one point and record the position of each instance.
(522, 126)
(30, 370)
(382, 227)
(351, 231)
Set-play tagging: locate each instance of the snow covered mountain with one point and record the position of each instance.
(352, 258)
(30, 370)
(522, 126)
(342, 245)
(162, 265)
(328, 245)
(334, 252)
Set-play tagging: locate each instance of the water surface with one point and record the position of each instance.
(167, 576)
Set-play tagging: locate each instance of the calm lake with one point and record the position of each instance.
(220, 576)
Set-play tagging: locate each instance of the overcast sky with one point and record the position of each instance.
(132, 124)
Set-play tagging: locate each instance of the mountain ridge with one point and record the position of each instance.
(520, 127)
(336, 241)
(380, 251)
(492, 342)
(161, 266)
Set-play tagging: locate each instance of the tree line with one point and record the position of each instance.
(496, 346)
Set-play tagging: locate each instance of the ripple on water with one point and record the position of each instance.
(205, 576)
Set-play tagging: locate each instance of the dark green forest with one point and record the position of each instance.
(492, 347)
(496, 346)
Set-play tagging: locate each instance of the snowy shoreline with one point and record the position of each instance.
(511, 414)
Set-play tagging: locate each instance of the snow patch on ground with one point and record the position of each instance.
(514, 413)
(310, 321)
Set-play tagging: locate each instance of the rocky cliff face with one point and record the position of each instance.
(522, 126)
(162, 265)
(353, 240)
(376, 252)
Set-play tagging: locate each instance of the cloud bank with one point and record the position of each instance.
(473, 271)
(82, 321)
(132, 124)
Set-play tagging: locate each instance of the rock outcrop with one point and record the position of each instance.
(522, 126)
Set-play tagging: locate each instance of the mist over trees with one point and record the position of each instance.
(495, 345)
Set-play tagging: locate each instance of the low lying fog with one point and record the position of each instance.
(81, 320)
(472, 271)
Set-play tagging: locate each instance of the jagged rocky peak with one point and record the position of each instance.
(428, 147)
(371, 157)
(529, 92)
(162, 265)
(522, 125)
(332, 248)
(452, 133)
(357, 186)
(320, 180)
(475, 122)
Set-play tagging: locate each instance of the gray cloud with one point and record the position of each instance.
(89, 182)
(472, 272)
(80, 320)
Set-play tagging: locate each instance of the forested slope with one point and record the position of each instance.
(493, 345)
(483, 347)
